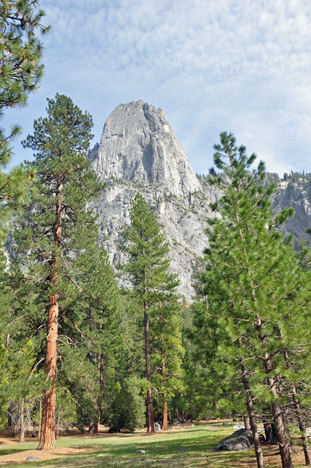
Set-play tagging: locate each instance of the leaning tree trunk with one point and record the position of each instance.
(150, 415)
(47, 439)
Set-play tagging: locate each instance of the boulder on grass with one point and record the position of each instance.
(239, 440)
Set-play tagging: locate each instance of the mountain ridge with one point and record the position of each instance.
(139, 152)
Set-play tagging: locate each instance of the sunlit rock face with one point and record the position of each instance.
(139, 152)
(297, 195)
(138, 144)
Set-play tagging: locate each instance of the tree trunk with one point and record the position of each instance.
(268, 431)
(300, 419)
(165, 421)
(165, 418)
(247, 423)
(150, 415)
(47, 439)
(252, 418)
(22, 423)
(284, 444)
(40, 419)
(57, 426)
(101, 389)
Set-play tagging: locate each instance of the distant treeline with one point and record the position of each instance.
(273, 177)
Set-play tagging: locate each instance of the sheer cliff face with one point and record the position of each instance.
(138, 144)
(298, 196)
(139, 152)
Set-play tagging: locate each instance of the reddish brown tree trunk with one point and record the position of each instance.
(47, 439)
(150, 416)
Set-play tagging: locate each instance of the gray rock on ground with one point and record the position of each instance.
(238, 441)
(157, 427)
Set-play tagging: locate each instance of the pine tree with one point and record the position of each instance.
(254, 283)
(56, 227)
(20, 72)
(97, 339)
(154, 288)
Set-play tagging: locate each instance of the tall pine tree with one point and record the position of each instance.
(154, 287)
(57, 228)
(253, 283)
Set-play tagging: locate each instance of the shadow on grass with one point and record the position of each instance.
(191, 449)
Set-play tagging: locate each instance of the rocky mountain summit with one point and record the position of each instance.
(139, 152)
(139, 145)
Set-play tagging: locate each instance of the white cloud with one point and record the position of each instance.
(211, 66)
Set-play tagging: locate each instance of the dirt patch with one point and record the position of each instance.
(44, 454)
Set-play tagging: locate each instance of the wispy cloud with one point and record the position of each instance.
(211, 66)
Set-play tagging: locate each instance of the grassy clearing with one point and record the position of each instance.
(191, 448)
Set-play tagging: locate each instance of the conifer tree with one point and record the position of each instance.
(166, 348)
(154, 287)
(56, 227)
(20, 72)
(253, 283)
(97, 338)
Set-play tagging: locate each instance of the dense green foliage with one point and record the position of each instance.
(155, 291)
(242, 349)
(258, 297)
(20, 72)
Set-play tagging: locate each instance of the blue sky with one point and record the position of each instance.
(211, 65)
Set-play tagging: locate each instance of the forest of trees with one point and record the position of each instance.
(78, 350)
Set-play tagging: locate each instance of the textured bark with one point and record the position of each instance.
(22, 423)
(252, 418)
(150, 416)
(283, 442)
(47, 439)
(165, 418)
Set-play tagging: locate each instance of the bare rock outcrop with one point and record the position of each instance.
(139, 152)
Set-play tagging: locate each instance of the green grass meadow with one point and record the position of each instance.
(191, 448)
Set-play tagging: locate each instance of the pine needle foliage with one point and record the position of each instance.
(258, 295)
(21, 69)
